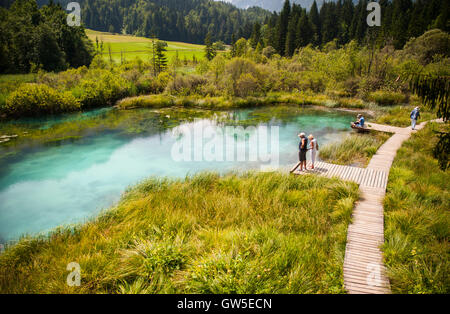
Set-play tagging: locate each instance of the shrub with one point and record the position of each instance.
(37, 99)
(425, 47)
(246, 85)
(148, 84)
(385, 98)
(186, 85)
(351, 86)
(105, 89)
(313, 81)
(268, 52)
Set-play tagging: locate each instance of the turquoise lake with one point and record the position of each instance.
(52, 183)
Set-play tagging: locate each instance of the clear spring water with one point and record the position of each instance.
(70, 181)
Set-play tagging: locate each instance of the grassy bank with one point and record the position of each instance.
(127, 47)
(228, 102)
(417, 218)
(253, 233)
(400, 115)
(355, 149)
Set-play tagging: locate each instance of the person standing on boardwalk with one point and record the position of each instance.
(303, 147)
(314, 147)
(415, 115)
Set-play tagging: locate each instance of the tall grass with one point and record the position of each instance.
(417, 218)
(400, 116)
(248, 233)
(355, 149)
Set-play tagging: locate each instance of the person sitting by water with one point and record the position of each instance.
(415, 115)
(303, 147)
(314, 147)
(360, 122)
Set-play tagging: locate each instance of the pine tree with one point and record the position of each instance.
(283, 23)
(291, 40)
(210, 52)
(160, 56)
(233, 46)
(255, 39)
(400, 17)
(304, 31)
(315, 20)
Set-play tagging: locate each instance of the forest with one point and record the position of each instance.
(34, 37)
(173, 20)
(342, 21)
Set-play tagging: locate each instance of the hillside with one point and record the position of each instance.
(273, 5)
(173, 20)
(129, 47)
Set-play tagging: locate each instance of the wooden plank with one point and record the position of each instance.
(295, 167)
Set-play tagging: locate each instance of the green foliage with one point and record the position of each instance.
(248, 233)
(400, 116)
(434, 92)
(186, 21)
(442, 150)
(39, 99)
(210, 51)
(386, 98)
(39, 38)
(186, 85)
(417, 219)
(340, 22)
(425, 47)
(160, 58)
(102, 87)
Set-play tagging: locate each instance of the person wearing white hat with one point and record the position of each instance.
(314, 147)
(415, 115)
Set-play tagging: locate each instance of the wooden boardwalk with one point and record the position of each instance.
(364, 271)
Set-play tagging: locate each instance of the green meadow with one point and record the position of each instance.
(132, 47)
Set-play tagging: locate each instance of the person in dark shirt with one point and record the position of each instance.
(303, 149)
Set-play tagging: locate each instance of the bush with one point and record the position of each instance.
(425, 47)
(246, 85)
(38, 99)
(385, 98)
(312, 81)
(186, 85)
(101, 90)
(148, 84)
(351, 86)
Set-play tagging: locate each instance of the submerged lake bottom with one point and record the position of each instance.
(67, 169)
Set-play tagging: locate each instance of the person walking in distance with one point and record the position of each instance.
(415, 115)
